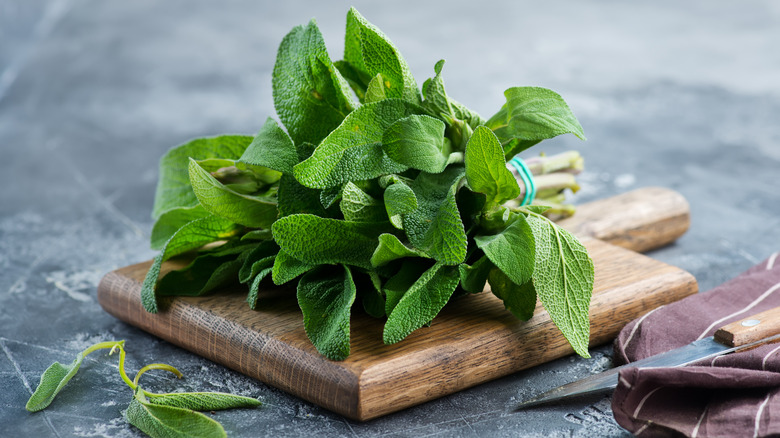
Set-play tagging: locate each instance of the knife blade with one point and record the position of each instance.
(755, 330)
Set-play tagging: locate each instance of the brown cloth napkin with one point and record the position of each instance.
(730, 396)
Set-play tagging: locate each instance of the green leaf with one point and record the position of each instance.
(203, 401)
(421, 303)
(390, 248)
(512, 250)
(353, 151)
(326, 298)
(375, 90)
(52, 381)
(287, 267)
(435, 227)
(170, 222)
(486, 170)
(357, 80)
(474, 277)
(254, 288)
(294, 198)
(316, 240)
(190, 236)
(173, 188)
(399, 199)
(368, 50)
(439, 103)
(160, 421)
(395, 288)
(252, 211)
(271, 148)
(330, 195)
(206, 273)
(518, 299)
(417, 141)
(358, 206)
(563, 278)
(530, 115)
(259, 258)
(310, 95)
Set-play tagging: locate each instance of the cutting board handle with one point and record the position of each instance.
(640, 220)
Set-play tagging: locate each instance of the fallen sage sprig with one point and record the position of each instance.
(376, 192)
(157, 415)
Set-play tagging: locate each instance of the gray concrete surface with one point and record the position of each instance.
(92, 93)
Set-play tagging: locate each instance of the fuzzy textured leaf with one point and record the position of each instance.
(353, 151)
(375, 90)
(563, 279)
(287, 268)
(474, 277)
(530, 115)
(390, 248)
(203, 401)
(512, 250)
(369, 51)
(310, 95)
(518, 299)
(421, 303)
(52, 381)
(486, 170)
(160, 421)
(252, 211)
(325, 296)
(358, 206)
(173, 187)
(271, 148)
(170, 222)
(190, 236)
(399, 200)
(316, 240)
(435, 227)
(417, 141)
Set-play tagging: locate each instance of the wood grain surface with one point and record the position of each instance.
(473, 340)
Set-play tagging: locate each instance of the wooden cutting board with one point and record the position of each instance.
(473, 340)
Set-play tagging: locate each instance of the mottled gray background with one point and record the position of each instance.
(679, 94)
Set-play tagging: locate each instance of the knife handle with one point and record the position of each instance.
(750, 329)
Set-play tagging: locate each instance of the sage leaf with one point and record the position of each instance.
(357, 80)
(170, 222)
(294, 198)
(421, 303)
(512, 250)
(390, 248)
(353, 151)
(316, 240)
(203, 401)
(252, 211)
(563, 279)
(173, 187)
(310, 95)
(271, 148)
(435, 227)
(401, 282)
(254, 288)
(439, 103)
(368, 50)
(375, 90)
(207, 272)
(530, 115)
(287, 268)
(486, 170)
(160, 421)
(518, 299)
(358, 206)
(417, 141)
(258, 259)
(326, 298)
(52, 381)
(190, 236)
(399, 199)
(474, 277)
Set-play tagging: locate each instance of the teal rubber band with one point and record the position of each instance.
(528, 180)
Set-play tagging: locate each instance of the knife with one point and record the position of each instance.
(758, 329)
